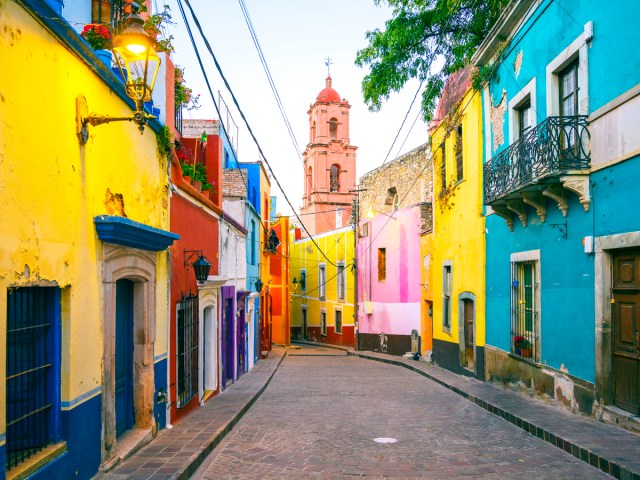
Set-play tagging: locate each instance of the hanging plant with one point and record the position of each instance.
(183, 94)
(154, 26)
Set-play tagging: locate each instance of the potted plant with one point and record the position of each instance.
(153, 25)
(99, 39)
(184, 96)
(522, 346)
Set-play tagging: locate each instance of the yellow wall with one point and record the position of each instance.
(426, 293)
(338, 246)
(51, 187)
(458, 219)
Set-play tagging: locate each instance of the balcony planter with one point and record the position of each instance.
(104, 56)
(197, 185)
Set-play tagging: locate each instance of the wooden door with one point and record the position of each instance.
(626, 330)
(304, 323)
(468, 332)
(124, 356)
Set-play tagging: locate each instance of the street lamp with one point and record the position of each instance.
(201, 265)
(138, 63)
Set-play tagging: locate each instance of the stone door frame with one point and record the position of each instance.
(604, 249)
(139, 266)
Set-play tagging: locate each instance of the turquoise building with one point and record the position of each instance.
(561, 105)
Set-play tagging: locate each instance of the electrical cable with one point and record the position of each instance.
(215, 60)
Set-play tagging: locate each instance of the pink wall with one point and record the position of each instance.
(396, 300)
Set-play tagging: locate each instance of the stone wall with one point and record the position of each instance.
(234, 183)
(409, 176)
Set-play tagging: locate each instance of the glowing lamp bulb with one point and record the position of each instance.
(136, 48)
(370, 213)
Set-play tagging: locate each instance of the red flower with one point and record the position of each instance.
(98, 36)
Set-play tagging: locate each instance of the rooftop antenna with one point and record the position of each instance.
(328, 63)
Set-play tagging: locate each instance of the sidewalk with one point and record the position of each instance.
(177, 453)
(611, 449)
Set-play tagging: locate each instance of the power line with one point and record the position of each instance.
(274, 90)
(235, 101)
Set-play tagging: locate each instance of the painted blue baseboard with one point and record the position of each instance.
(81, 428)
(3, 455)
(159, 409)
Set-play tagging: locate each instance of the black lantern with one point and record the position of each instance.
(259, 285)
(295, 284)
(201, 265)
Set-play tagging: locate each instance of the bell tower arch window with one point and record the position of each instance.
(334, 178)
(309, 181)
(313, 132)
(333, 128)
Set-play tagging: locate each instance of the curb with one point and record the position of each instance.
(193, 465)
(608, 466)
(327, 345)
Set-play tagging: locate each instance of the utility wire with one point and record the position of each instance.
(235, 101)
(274, 90)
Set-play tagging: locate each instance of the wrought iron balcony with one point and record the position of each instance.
(557, 146)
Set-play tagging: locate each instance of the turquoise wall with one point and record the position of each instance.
(567, 333)
(613, 51)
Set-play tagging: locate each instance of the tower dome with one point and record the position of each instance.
(328, 94)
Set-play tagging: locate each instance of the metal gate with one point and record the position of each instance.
(187, 348)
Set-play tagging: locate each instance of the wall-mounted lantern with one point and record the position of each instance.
(272, 242)
(138, 63)
(301, 283)
(258, 283)
(201, 265)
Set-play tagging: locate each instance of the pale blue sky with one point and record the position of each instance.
(295, 37)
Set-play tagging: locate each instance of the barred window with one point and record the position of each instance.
(443, 168)
(322, 281)
(187, 318)
(459, 156)
(446, 296)
(32, 371)
(524, 310)
(338, 315)
(342, 279)
(323, 323)
(382, 264)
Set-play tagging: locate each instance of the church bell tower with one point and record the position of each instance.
(329, 164)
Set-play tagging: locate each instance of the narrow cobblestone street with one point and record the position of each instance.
(320, 414)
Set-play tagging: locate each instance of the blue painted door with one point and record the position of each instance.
(228, 334)
(124, 356)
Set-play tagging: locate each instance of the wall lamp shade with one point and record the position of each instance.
(259, 285)
(137, 60)
(201, 268)
(138, 63)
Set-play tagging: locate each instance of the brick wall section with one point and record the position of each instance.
(400, 174)
(233, 183)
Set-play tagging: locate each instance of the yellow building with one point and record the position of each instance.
(322, 290)
(83, 261)
(458, 263)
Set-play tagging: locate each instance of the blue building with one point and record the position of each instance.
(560, 120)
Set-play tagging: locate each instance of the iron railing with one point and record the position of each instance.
(555, 146)
(178, 119)
(187, 348)
(30, 383)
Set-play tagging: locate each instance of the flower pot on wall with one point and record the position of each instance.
(187, 178)
(525, 352)
(197, 185)
(104, 56)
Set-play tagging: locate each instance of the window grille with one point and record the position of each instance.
(524, 310)
(32, 371)
(323, 323)
(338, 314)
(334, 178)
(569, 88)
(341, 281)
(322, 280)
(446, 296)
(459, 156)
(178, 119)
(187, 348)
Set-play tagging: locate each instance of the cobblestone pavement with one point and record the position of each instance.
(320, 414)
